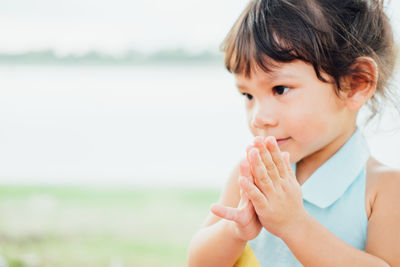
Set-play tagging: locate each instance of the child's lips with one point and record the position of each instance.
(282, 141)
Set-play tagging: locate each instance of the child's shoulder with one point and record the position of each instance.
(383, 184)
(380, 175)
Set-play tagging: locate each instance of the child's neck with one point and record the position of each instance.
(308, 165)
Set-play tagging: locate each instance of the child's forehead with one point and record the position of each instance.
(291, 70)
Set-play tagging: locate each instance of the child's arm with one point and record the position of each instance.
(276, 196)
(220, 242)
(322, 248)
(314, 245)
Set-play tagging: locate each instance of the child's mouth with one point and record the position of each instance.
(282, 141)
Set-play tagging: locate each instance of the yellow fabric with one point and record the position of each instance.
(247, 259)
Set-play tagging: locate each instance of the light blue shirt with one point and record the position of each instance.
(335, 196)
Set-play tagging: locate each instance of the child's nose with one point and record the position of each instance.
(264, 117)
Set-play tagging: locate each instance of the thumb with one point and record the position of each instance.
(224, 212)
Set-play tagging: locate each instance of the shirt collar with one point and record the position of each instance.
(329, 182)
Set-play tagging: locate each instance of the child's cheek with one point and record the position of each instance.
(310, 131)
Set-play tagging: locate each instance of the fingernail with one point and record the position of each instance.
(248, 149)
(243, 180)
(271, 140)
(258, 140)
(254, 152)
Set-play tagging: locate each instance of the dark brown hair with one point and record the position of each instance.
(329, 34)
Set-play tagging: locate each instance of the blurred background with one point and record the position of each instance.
(118, 127)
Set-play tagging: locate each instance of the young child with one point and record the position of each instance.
(306, 67)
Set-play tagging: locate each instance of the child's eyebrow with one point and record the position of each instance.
(276, 75)
(271, 76)
(239, 86)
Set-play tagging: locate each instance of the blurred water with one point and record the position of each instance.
(148, 125)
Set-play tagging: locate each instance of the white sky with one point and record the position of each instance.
(76, 26)
(113, 26)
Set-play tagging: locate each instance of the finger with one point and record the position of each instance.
(243, 199)
(273, 148)
(244, 168)
(248, 149)
(244, 171)
(286, 157)
(258, 200)
(266, 158)
(224, 212)
(261, 178)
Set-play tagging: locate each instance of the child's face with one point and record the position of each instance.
(291, 103)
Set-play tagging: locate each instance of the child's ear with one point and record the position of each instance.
(360, 85)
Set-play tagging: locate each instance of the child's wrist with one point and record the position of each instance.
(234, 231)
(297, 228)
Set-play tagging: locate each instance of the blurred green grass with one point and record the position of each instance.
(93, 226)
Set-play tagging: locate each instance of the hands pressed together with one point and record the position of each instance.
(270, 195)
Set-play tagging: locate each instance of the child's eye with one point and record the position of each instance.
(249, 97)
(280, 90)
